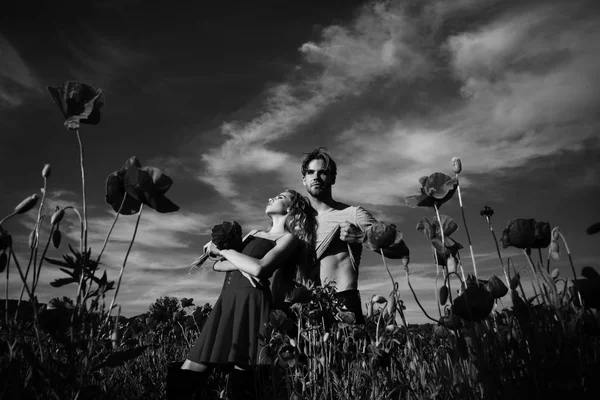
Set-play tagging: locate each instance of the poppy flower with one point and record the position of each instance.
(433, 232)
(143, 185)
(588, 288)
(526, 233)
(436, 189)
(227, 235)
(386, 238)
(496, 287)
(78, 103)
(474, 304)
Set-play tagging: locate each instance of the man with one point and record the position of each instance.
(341, 231)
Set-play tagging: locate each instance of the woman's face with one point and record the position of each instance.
(279, 204)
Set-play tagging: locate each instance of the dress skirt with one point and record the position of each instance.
(235, 331)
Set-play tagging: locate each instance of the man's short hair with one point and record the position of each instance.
(320, 153)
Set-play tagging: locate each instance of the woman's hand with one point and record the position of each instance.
(211, 249)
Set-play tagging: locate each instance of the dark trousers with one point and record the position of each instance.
(350, 301)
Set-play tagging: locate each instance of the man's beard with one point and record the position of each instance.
(317, 191)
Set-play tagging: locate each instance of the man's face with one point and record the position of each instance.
(317, 179)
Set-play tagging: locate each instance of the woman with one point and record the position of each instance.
(234, 333)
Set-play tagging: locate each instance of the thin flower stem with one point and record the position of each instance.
(489, 221)
(37, 278)
(110, 230)
(9, 216)
(81, 158)
(462, 210)
(534, 273)
(32, 300)
(386, 267)
(137, 222)
(569, 254)
(6, 291)
(416, 298)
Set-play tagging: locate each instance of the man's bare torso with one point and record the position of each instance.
(335, 263)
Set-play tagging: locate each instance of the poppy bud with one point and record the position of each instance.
(56, 238)
(514, 281)
(554, 250)
(391, 305)
(3, 261)
(555, 273)
(456, 165)
(26, 204)
(496, 287)
(444, 294)
(451, 263)
(57, 216)
(293, 342)
(378, 299)
(325, 337)
(115, 338)
(46, 171)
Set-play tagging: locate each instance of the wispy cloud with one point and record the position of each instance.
(17, 80)
(499, 93)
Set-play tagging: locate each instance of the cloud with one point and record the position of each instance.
(341, 65)
(17, 80)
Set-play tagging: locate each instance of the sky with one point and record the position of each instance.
(226, 98)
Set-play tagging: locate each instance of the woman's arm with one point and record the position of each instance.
(223, 266)
(266, 265)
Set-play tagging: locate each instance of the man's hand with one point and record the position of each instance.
(350, 233)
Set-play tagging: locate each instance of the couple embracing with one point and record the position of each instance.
(313, 237)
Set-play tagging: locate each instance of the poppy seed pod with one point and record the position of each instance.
(456, 165)
(46, 171)
(496, 287)
(444, 295)
(57, 216)
(27, 204)
(451, 263)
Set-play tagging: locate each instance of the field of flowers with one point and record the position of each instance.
(545, 344)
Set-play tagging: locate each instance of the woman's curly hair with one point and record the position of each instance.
(302, 222)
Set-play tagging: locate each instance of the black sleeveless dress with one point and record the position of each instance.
(235, 330)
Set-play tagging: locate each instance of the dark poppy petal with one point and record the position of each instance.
(138, 183)
(161, 181)
(160, 203)
(424, 225)
(114, 196)
(543, 235)
(380, 235)
(78, 102)
(421, 200)
(474, 304)
(133, 161)
(448, 224)
(438, 185)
